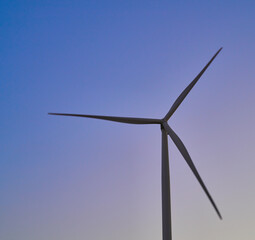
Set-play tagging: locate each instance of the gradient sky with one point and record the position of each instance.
(67, 178)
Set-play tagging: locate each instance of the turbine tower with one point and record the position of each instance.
(165, 130)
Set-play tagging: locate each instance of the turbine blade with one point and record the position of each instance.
(114, 119)
(179, 144)
(182, 96)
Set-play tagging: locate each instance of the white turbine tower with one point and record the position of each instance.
(166, 130)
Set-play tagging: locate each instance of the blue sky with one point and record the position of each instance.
(66, 178)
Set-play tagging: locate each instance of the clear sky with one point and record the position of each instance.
(67, 178)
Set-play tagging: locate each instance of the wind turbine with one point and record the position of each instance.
(165, 130)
